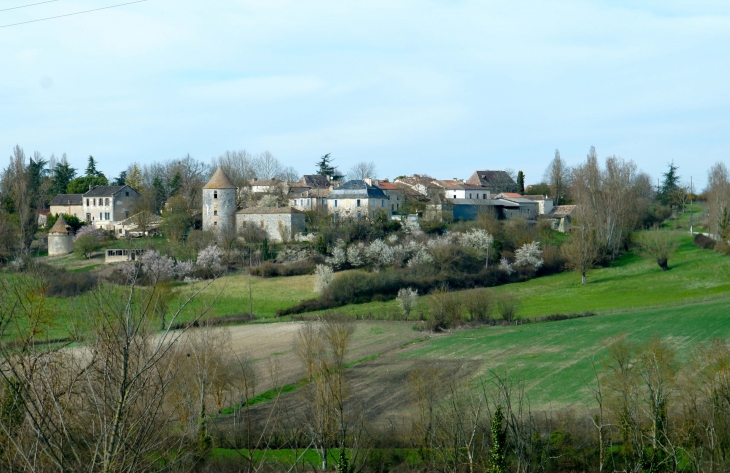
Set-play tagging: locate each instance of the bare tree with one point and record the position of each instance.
(557, 175)
(103, 406)
(718, 199)
(239, 166)
(289, 175)
(582, 252)
(363, 170)
(17, 186)
(266, 166)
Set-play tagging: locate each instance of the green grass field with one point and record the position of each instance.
(554, 358)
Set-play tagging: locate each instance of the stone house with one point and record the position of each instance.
(280, 223)
(561, 217)
(68, 204)
(495, 181)
(457, 189)
(396, 194)
(119, 255)
(544, 203)
(357, 199)
(105, 205)
(130, 227)
(529, 209)
(305, 198)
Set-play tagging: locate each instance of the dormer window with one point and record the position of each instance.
(215, 194)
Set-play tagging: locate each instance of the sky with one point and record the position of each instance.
(432, 87)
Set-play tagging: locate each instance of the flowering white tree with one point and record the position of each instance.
(412, 227)
(407, 300)
(480, 241)
(506, 266)
(89, 230)
(380, 253)
(156, 266)
(529, 255)
(354, 257)
(421, 257)
(338, 258)
(210, 258)
(322, 277)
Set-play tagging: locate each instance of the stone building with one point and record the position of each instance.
(280, 223)
(219, 202)
(357, 199)
(105, 205)
(68, 204)
(60, 238)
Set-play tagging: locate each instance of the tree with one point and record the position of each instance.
(407, 298)
(582, 252)
(134, 179)
(521, 182)
(325, 168)
(718, 199)
(289, 174)
(266, 166)
(17, 186)
(121, 179)
(91, 170)
(362, 170)
(557, 176)
(669, 184)
(659, 245)
(497, 455)
(63, 174)
(81, 185)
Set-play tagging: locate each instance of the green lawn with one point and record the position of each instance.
(553, 358)
(630, 283)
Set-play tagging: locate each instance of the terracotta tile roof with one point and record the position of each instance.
(387, 186)
(219, 181)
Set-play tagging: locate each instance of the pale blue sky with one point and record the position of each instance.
(441, 88)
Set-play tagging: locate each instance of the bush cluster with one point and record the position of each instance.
(297, 268)
(704, 242)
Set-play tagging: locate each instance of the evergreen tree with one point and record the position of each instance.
(325, 168)
(160, 193)
(174, 183)
(121, 179)
(669, 185)
(521, 182)
(497, 460)
(81, 185)
(91, 170)
(63, 174)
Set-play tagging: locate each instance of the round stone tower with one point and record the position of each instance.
(219, 202)
(60, 238)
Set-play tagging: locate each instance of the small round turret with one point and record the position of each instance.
(60, 238)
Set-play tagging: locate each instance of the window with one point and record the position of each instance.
(470, 195)
(87, 202)
(126, 214)
(382, 203)
(358, 204)
(106, 216)
(484, 196)
(215, 224)
(243, 224)
(309, 202)
(262, 224)
(335, 202)
(106, 201)
(215, 194)
(324, 202)
(94, 201)
(126, 194)
(100, 218)
(454, 196)
(120, 231)
(215, 212)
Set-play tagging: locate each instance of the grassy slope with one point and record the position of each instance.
(554, 358)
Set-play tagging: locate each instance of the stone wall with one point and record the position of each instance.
(224, 206)
(274, 224)
(60, 244)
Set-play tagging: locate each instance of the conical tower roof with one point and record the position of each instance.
(60, 227)
(219, 181)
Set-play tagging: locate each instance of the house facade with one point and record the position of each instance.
(280, 223)
(357, 199)
(68, 204)
(544, 203)
(529, 209)
(105, 205)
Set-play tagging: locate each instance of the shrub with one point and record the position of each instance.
(322, 277)
(445, 309)
(507, 306)
(479, 303)
(210, 258)
(704, 242)
(407, 298)
(506, 266)
(659, 245)
(297, 268)
(529, 255)
(354, 257)
(86, 245)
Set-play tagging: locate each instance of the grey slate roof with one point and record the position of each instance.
(315, 181)
(68, 199)
(355, 189)
(106, 191)
(269, 210)
(496, 181)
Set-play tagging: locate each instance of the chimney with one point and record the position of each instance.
(368, 181)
